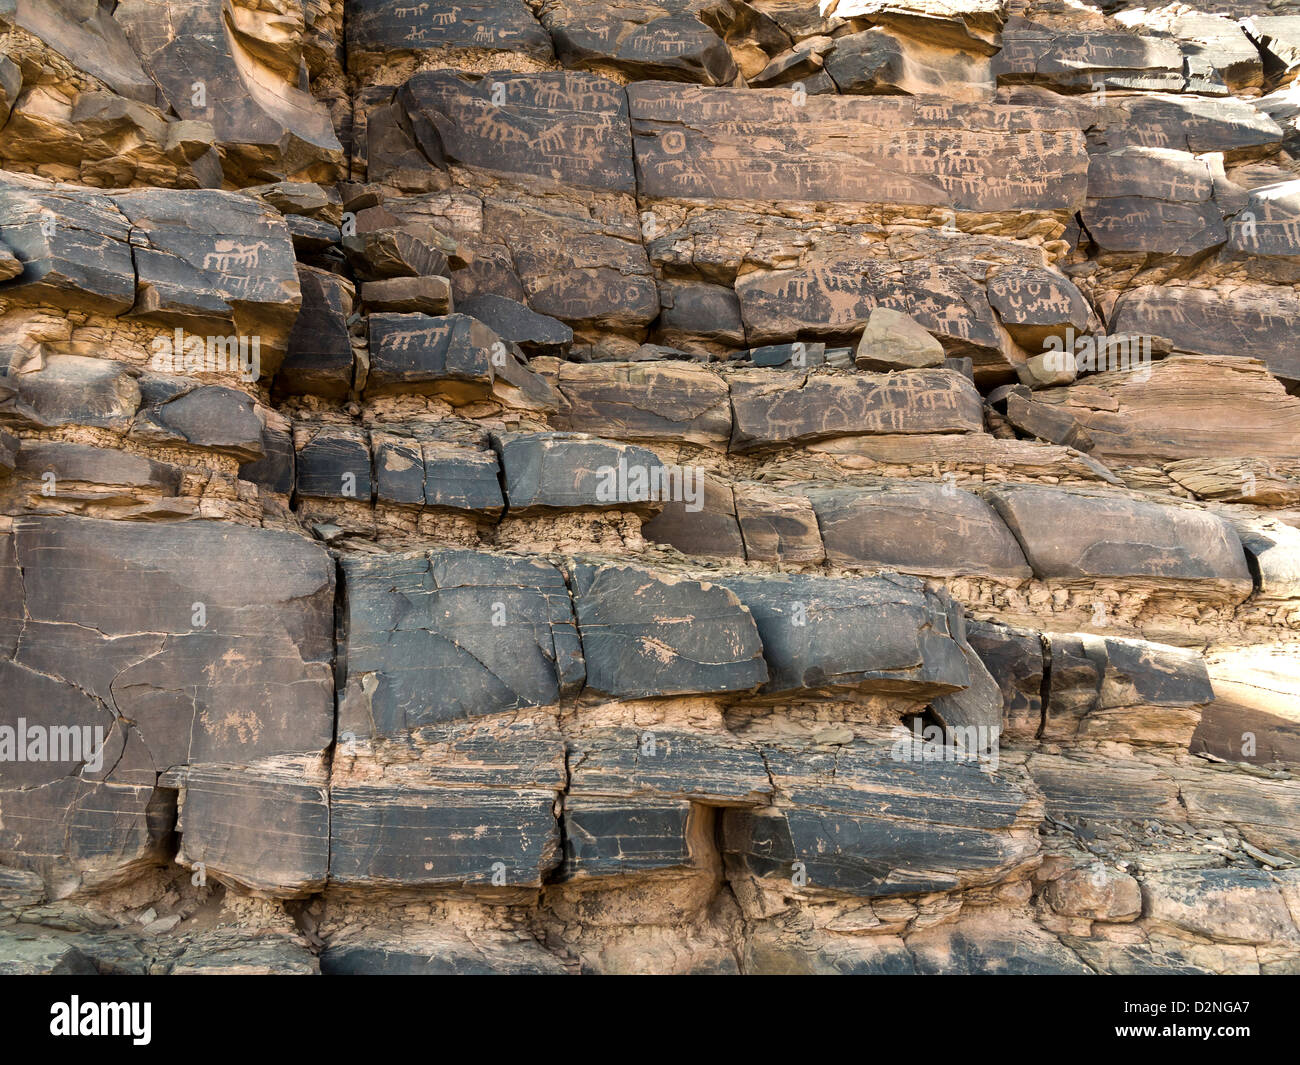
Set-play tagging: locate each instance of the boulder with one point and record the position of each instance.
(320, 358)
(450, 956)
(408, 295)
(605, 837)
(76, 390)
(778, 527)
(1099, 893)
(662, 763)
(1080, 61)
(677, 42)
(390, 252)
(454, 356)
(1174, 409)
(333, 462)
(1227, 905)
(880, 61)
(1015, 659)
(170, 608)
(701, 521)
(536, 334)
(1252, 322)
(485, 838)
(893, 341)
(557, 126)
(264, 831)
(1278, 38)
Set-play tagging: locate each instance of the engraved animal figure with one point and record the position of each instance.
(231, 255)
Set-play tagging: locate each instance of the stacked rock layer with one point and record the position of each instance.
(738, 486)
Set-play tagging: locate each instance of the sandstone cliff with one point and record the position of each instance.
(546, 486)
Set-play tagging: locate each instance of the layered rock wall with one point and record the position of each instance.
(750, 487)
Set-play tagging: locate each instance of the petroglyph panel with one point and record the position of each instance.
(379, 28)
(759, 145)
(560, 127)
(772, 412)
(1257, 322)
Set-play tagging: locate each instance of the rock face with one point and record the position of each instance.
(925, 527)
(226, 66)
(903, 846)
(708, 486)
(412, 620)
(768, 412)
(909, 647)
(1076, 535)
(648, 636)
(1206, 323)
(850, 150)
(170, 609)
(203, 262)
